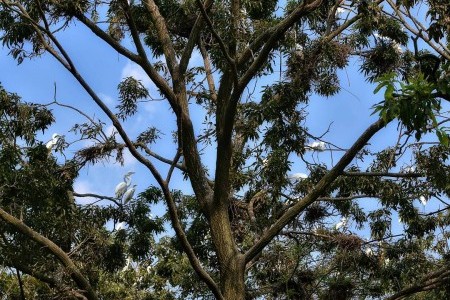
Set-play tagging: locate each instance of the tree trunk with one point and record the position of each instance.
(232, 279)
(231, 262)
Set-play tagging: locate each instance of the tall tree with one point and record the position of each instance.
(249, 230)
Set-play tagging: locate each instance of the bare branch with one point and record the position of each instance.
(101, 197)
(208, 70)
(174, 165)
(353, 197)
(161, 158)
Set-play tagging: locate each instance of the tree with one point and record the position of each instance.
(249, 230)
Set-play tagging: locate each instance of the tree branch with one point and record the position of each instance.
(208, 70)
(161, 158)
(159, 81)
(383, 174)
(75, 273)
(194, 38)
(346, 198)
(187, 246)
(430, 281)
(319, 188)
(222, 46)
(164, 37)
(98, 197)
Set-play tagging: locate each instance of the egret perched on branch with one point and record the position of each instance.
(316, 146)
(297, 176)
(129, 194)
(410, 169)
(342, 223)
(122, 187)
(52, 142)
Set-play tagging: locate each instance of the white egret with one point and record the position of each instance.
(298, 176)
(122, 187)
(341, 10)
(342, 223)
(410, 169)
(298, 50)
(369, 251)
(52, 142)
(397, 47)
(423, 200)
(127, 265)
(120, 225)
(129, 194)
(316, 146)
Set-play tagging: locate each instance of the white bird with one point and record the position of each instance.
(423, 200)
(369, 251)
(52, 142)
(341, 10)
(298, 176)
(298, 50)
(120, 225)
(265, 163)
(410, 169)
(397, 47)
(122, 187)
(127, 265)
(317, 146)
(315, 228)
(341, 224)
(129, 194)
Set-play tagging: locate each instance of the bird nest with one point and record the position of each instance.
(347, 242)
